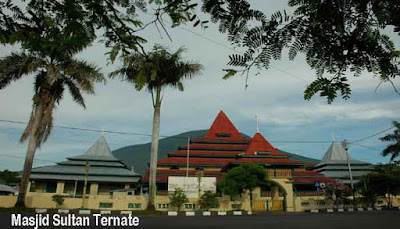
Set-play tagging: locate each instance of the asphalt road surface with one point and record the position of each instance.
(351, 220)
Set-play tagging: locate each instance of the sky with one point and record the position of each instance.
(275, 96)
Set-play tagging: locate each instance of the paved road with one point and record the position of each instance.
(351, 220)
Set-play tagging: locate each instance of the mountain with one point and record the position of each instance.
(138, 155)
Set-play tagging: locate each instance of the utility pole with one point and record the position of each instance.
(344, 144)
(85, 184)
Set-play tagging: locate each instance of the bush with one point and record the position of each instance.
(208, 200)
(58, 199)
(178, 198)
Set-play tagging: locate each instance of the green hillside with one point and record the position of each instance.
(139, 155)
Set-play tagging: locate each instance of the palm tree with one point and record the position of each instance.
(155, 71)
(52, 76)
(50, 36)
(394, 148)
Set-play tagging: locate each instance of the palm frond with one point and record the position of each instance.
(84, 74)
(14, 66)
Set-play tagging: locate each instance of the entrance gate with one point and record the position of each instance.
(277, 205)
(259, 205)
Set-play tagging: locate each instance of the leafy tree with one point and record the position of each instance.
(49, 43)
(384, 181)
(208, 200)
(242, 178)
(117, 19)
(338, 192)
(336, 36)
(9, 177)
(58, 199)
(369, 189)
(393, 149)
(178, 198)
(157, 70)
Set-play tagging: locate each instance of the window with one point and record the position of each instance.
(116, 187)
(305, 204)
(223, 135)
(190, 206)
(163, 206)
(105, 205)
(69, 188)
(51, 187)
(236, 206)
(79, 188)
(32, 187)
(134, 205)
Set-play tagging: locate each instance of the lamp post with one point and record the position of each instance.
(87, 166)
(199, 178)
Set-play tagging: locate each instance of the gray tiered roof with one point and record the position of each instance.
(337, 155)
(334, 164)
(104, 167)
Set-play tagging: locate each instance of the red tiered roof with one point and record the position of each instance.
(303, 180)
(202, 146)
(304, 177)
(162, 178)
(306, 173)
(204, 152)
(224, 146)
(260, 144)
(223, 126)
(224, 161)
(194, 161)
(183, 172)
(162, 174)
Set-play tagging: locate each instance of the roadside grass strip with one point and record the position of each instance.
(84, 212)
(172, 213)
(105, 212)
(126, 212)
(40, 210)
(237, 212)
(221, 213)
(206, 213)
(63, 211)
(189, 213)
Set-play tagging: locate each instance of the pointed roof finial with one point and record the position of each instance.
(257, 123)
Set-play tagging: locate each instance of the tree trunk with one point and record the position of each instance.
(30, 154)
(154, 151)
